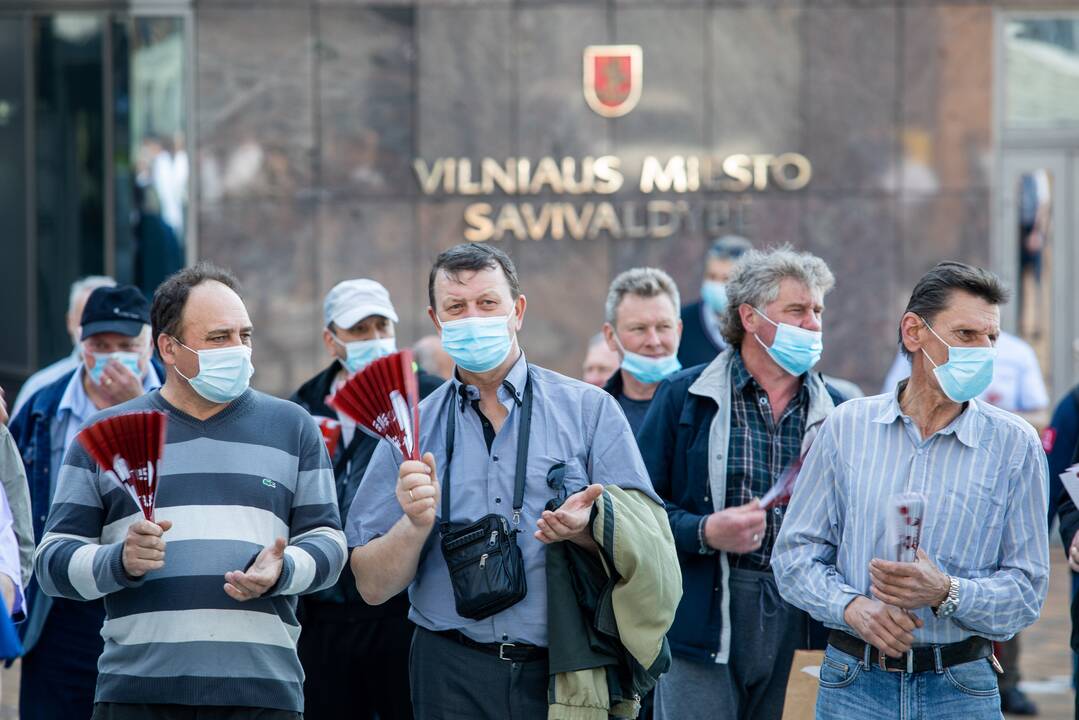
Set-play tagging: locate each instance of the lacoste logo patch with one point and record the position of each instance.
(269, 483)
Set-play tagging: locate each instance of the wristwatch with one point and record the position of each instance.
(951, 602)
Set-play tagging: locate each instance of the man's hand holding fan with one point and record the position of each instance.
(383, 398)
(128, 449)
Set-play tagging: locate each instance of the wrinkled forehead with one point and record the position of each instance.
(213, 306)
(471, 284)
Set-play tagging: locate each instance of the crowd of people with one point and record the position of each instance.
(564, 549)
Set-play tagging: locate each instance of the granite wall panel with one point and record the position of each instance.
(367, 66)
(255, 128)
(849, 97)
(310, 114)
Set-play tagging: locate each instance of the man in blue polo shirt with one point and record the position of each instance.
(495, 667)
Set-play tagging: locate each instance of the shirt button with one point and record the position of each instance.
(42, 518)
(495, 458)
(777, 511)
(763, 401)
(706, 498)
(719, 456)
(498, 500)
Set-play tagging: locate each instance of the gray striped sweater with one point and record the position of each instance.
(230, 485)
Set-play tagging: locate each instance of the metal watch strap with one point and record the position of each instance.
(951, 602)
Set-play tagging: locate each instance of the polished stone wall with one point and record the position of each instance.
(309, 114)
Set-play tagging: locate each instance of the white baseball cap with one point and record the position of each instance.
(352, 300)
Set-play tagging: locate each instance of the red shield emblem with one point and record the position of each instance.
(612, 78)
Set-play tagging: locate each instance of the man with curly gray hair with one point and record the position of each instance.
(716, 440)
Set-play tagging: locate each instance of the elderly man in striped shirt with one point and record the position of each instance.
(912, 636)
(205, 627)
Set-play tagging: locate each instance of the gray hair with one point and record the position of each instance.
(644, 282)
(756, 278)
(729, 247)
(934, 291)
(87, 285)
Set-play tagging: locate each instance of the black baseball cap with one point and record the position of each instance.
(122, 309)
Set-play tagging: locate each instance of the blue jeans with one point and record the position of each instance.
(851, 689)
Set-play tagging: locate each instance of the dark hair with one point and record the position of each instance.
(472, 257)
(167, 312)
(934, 291)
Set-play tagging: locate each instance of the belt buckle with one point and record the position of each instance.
(502, 651)
(882, 661)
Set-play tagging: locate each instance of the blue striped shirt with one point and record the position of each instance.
(985, 480)
(230, 484)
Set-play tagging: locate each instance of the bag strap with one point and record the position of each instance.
(523, 437)
(346, 455)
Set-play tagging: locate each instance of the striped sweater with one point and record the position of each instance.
(230, 485)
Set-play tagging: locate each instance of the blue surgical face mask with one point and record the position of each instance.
(968, 372)
(478, 344)
(361, 353)
(130, 360)
(714, 294)
(224, 373)
(648, 370)
(794, 349)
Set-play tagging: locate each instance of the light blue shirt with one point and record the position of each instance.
(572, 423)
(985, 481)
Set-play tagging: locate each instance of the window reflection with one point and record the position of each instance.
(151, 117)
(1041, 58)
(1035, 197)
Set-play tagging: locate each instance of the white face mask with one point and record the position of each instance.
(224, 373)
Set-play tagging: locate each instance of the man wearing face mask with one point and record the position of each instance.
(922, 632)
(355, 655)
(61, 637)
(77, 296)
(200, 603)
(702, 338)
(518, 437)
(715, 440)
(642, 326)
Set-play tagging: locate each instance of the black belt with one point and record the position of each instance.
(919, 659)
(514, 652)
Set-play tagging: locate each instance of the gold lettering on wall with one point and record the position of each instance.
(658, 218)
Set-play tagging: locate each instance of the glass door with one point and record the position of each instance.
(1038, 257)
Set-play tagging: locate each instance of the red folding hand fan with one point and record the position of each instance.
(383, 397)
(128, 448)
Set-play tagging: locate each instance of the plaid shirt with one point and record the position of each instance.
(760, 450)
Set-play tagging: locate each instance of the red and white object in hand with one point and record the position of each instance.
(384, 398)
(906, 515)
(128, 448)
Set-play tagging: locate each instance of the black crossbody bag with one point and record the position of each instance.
(485, 563)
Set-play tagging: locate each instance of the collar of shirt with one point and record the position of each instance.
(967, 427)
(741, 378)
(510, 392)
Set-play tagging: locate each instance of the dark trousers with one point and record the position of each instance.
(60, 674)
(765, 632)
(454, 682)
(356, 669)
(144, 711)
